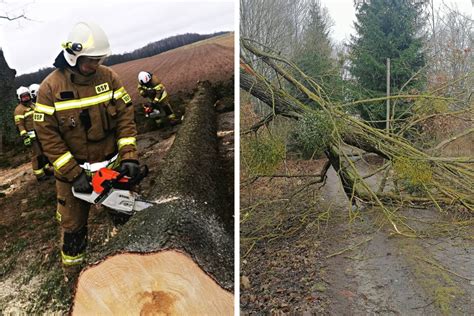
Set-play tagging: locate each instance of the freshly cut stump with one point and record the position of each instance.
(163, 283)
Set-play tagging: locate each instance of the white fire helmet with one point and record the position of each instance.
(34, 89)
(144, 77)
(21, 91)
(86, 39)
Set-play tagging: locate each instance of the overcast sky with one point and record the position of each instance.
(32, 44)
(343, 14)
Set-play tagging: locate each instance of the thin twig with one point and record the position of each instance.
(349, 248)
(436, 265)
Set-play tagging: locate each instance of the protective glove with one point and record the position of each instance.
(27, 140)
(130, 167)
(81, 184)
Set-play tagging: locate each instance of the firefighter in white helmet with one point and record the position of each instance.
(34, 91)
(150, 86)
(84, 118)
(24, 122)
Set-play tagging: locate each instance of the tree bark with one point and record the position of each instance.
(175, 257)
(270, 95)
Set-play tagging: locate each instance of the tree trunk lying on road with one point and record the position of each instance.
(175, 257)
(440, 181)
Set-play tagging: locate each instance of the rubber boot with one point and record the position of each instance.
(73, 253)
(48, 172)
(42, 178)
(173, 120)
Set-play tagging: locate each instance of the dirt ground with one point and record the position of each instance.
(310, 253)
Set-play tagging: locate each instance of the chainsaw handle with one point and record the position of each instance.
(109, 184)
(142, 174)
(120, 176)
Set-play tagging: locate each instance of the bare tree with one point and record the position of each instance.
(283, 27)
(277, 24)
(451, 53)
(9, 12)
(22, 16)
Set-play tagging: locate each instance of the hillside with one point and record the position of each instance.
(181, 68)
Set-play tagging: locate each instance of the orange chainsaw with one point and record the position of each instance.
(112, 189)
(153, 110)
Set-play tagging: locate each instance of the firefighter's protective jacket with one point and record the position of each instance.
(84, 119)
(154, 90)
(24, 118)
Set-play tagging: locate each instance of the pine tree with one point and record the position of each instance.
(386, 29)
(314, 54)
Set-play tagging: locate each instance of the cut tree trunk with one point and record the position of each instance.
(176, 257)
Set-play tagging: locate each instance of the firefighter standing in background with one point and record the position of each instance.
(149, 86)
(33, 91)
(24, 121)
(85, 120)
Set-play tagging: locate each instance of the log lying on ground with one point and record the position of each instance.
(175, 257)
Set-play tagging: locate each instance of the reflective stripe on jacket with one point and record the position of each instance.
(23, 116)
(80, 118)
(154, 90)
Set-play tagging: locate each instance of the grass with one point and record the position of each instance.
(434, 280)
(31, 270)
(52, 295)
(262, 155)
(43, 200)
(9, 256)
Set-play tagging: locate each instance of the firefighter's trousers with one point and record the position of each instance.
(38, 161)
(72, 214)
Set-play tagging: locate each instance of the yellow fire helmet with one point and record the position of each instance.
(86, 39)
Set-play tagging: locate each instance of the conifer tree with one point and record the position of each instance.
(386, 29)
(313, 56)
